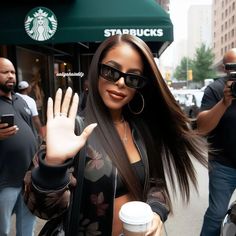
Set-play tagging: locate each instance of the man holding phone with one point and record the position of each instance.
(7, 118)
(17, 144)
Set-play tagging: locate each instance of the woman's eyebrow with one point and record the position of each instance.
(118, 66)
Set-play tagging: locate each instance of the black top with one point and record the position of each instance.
(138, 169)
(223, 137)
(18, 150)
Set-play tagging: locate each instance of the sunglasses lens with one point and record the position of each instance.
(109, 73)
(134, 81)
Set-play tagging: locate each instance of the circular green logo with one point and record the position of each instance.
(40, 23)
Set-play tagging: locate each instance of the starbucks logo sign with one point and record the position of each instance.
(40, 23)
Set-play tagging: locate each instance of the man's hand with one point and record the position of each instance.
(208, 120)
(228, 98)
(6, 132)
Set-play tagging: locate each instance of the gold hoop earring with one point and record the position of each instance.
(142, 107)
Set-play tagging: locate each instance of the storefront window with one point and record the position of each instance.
(33, 68)
(62, 79)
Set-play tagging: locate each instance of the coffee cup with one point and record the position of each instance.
(136, 217)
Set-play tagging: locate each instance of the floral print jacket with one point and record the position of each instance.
(47, 189)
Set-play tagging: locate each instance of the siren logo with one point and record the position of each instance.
(40, 23)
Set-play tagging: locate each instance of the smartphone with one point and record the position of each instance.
(8, 118)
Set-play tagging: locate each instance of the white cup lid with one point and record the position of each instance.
(136, 213)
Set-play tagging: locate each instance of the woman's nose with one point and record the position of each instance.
(120, 82)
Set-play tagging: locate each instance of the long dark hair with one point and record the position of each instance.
(169, 140)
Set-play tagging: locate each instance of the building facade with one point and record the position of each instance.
(199, 28)
(224, 28)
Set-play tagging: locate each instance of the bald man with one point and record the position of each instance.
(17, 147)
(217, 120)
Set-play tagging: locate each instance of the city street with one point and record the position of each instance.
(174, 57)
(187, 218)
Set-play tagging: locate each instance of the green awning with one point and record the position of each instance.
(91, 21)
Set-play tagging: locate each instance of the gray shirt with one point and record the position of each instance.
(17, 151)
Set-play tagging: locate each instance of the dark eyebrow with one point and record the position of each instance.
(118, 66)
(113, 64)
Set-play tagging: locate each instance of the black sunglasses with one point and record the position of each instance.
(112, 74)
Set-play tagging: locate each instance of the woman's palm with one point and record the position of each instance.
(62, 143)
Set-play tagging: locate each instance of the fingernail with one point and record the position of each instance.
(94, 125)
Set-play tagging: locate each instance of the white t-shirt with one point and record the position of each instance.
(31, 104)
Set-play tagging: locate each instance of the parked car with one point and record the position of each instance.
(189, 100)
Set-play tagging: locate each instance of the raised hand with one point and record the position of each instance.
(62, 143)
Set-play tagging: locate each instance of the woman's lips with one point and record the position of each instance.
(116, 95)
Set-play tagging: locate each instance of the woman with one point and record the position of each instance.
(141, 136)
